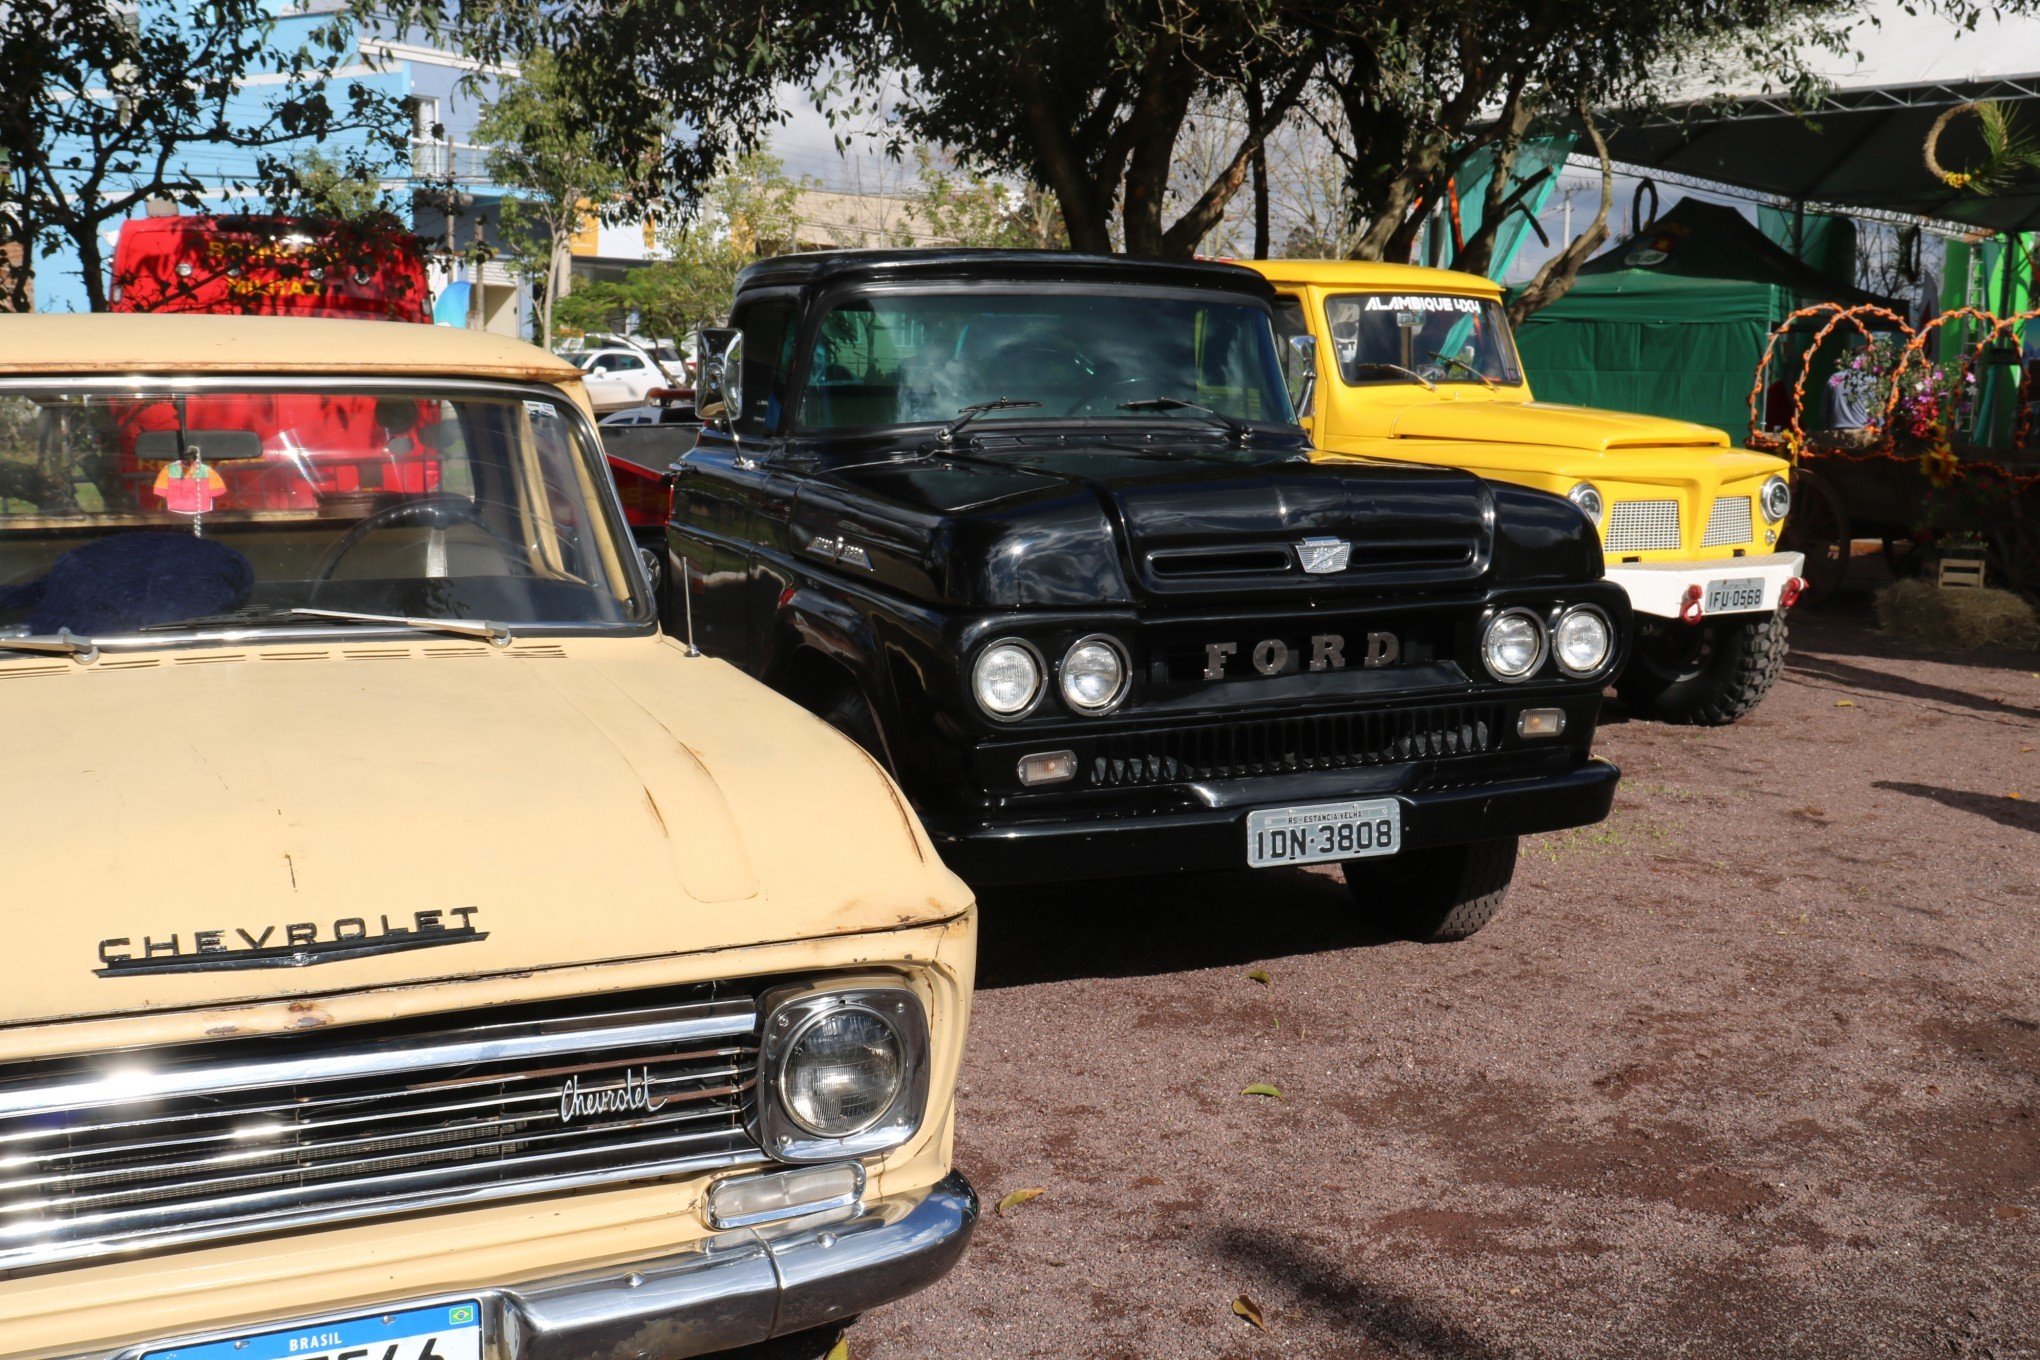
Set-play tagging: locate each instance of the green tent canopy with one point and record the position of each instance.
(1673, 320)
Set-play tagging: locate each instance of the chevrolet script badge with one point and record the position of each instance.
(1322, 556)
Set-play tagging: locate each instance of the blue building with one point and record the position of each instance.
(442, 183)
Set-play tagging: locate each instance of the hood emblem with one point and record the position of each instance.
(293, 944)
(839, 550)
(1322, 556)
(632, 1095)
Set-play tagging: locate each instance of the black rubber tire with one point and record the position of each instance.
(1711, 679)
(847, 712)
(1434, 896)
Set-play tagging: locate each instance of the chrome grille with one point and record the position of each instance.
(169, 1146)
(1728, 522)
(1641, 526)
(1279, 745)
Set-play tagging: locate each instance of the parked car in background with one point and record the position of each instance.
(448, 965)
(1397, 361)
(1041, 532)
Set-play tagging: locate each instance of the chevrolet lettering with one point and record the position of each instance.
(1111, 616)
(406, 959)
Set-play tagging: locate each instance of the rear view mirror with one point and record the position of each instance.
(214, 446)
(719, 394)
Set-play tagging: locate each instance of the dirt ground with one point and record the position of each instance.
(1751, 1070)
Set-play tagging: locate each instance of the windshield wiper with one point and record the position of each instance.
(63, 642)
(1240, 433)
(1379, 367)
(947, 434)
(1458, 363)
(495, 633)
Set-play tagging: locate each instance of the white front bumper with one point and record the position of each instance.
(1656, 588)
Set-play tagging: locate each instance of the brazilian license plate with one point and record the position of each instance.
(1734, 596)
(1320, 832)
(444, 1331)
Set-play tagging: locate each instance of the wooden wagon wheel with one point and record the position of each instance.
(2012, 548)
(1819, 528)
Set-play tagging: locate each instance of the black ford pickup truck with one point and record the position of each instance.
(1040, 532)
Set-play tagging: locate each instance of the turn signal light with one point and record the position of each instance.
(1048, 767)
(748, 1200)
(1540, 722)
(1788, 594)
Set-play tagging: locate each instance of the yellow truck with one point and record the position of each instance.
(412, 954)
(1399, 361)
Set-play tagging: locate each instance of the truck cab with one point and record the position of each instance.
(1403, 362)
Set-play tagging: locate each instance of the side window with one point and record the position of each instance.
(627, 363)
(768, 328)
(1297, 367)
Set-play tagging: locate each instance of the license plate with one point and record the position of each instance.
(1733, 596)
(444, 1331)
(1320, 832)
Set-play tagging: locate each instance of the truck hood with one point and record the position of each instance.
(207, 826)
(1550, 424)
(1084, 522)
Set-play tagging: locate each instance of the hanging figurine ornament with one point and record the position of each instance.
(189, 486)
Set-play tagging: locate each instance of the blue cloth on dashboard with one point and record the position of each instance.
(130, 581)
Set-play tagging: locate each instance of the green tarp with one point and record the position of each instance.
(1672, 321)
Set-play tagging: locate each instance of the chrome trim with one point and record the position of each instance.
(1543, 644)
(718, 1020)
(1125, 676)
(788, 1012)
(733, 1289)
(1764, 497)
(1577, 496)
(1040, 679)
(1607, 659)
(608, 496)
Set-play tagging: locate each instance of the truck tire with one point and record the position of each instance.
(1433, 896)
(1706, 674)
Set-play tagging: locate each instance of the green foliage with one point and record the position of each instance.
(100, 104)
(334, 191)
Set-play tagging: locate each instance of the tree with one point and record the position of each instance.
(546, 145)
(101, 106)
(1082, 97)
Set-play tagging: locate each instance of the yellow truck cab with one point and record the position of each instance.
(413, 954)
(1398, 361)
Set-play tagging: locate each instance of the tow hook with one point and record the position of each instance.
(1788, 594)
(1689, 606)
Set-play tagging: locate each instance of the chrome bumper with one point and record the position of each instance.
(733, 1289)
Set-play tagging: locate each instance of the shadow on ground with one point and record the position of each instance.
(1131, 927)
(2011, 812)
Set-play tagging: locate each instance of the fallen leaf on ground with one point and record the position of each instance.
(1260, 975)
(839, 1351)
(1845, 703)
(1245, 1307)
(1261, 1088)
(1019, 1197)
(2013, 796)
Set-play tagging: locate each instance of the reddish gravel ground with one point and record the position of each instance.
(1750, 1070)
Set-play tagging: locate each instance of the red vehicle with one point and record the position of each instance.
(312, 448)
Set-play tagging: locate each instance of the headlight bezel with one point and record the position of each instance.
(1537, 622)
(1608, 653)
(1784, 488)
(1041, 678)
(1579, 496)
(1119, 693)
(790, 1012)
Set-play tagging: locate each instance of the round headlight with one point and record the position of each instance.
(1007, 679)
(1588, 499)
(1513, 644)
(1093, 675)
(1776, 498)
(842, 1070)
(1582, 640)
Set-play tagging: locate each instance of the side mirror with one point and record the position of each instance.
(719, 393)
(1306, 389)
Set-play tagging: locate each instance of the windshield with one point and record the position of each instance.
(237, 504)
(918, 358)
(1442, 337)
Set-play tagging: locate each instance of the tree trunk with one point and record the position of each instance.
(1557, 276)
(91, 263)
(1260, 169)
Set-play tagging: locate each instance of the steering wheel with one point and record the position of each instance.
(1109, 388)
(434, 512)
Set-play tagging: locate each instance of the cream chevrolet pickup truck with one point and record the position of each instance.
(1398, 361)
(412, 954)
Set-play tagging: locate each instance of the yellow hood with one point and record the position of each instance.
(405, 812)
(1546, 423)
